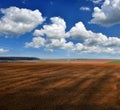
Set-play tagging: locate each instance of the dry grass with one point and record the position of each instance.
(59, 86)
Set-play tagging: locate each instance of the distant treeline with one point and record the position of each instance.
(18, 58)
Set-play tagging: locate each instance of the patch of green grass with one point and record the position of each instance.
(114, 62)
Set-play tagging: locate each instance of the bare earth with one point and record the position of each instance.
(69, 85)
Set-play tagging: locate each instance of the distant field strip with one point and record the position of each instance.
(59, 86)
(114, 62)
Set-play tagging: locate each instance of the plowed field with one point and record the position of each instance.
(59, 86)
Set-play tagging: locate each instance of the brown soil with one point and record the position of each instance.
(59, 86)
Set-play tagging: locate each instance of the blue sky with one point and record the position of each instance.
(60, 28)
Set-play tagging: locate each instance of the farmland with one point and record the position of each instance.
(65, 85)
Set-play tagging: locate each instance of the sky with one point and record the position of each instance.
(60, 28)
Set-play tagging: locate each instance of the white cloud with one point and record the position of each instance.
(53, 36)
(108, 14)
(79, 31)
(16, 21)
(82, 48)
(3, 50)
(37, 42)
(96, 1)
(93, 42)
(49, 44)
(85, 8)
(103, 40)
(55, 30)
(59, 43)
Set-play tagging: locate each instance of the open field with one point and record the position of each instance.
(69, 85)
(114, 62)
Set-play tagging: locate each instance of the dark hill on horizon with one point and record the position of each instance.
(18, 58)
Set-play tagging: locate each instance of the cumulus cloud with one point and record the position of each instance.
(53, 36)
(2, 50)
(108, 14)
(96, 1)
(55, 30)
(79, 31)
(16, 21)
(37, 42)
(82, 48)
(59, 43)
(85, 8)
(92, 42)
